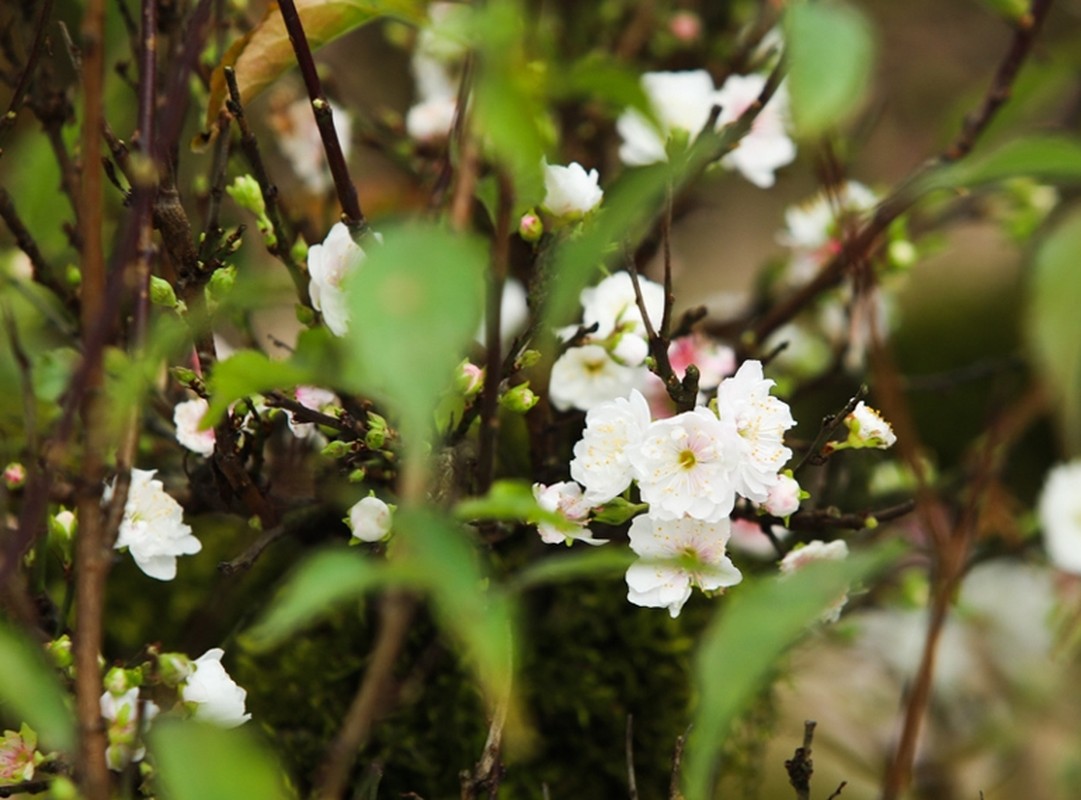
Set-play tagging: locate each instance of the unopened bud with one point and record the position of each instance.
(530, 227)
(519, 399)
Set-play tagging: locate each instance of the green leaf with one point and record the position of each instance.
(742, 646)
(508, 97)
(1011, 10)
(248, 372)
(590, 563)
(31, 693)
(196, 761)
(265, 52)
(1052, 158)
(415, 305)
(478, 616)
(1051, 325)
(598, 76)
(830, 50)
(321, 583)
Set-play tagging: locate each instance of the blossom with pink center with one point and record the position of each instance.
(674, 556)
(767, 147)
(601, 457)
(566, 499)
(19, 756)
(813, 228)
(760, 420)
(684, 466)
(188, 418)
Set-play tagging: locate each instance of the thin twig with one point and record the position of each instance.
(396, 613)
(674, 790)
(324, 120)
(829, 424)
(18, 96)
(628, 744)
(497, 276)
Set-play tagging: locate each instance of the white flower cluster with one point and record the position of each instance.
(681, 103)
(610, 361)
(690, 469)
(153, 527)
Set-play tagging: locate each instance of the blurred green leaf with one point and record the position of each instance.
(31, 693)
(477, 615)
(321, 583)
(830, 50)
(1052, 158)
(591, 563)
(265, 52)
(743, 644)
(196, 761)
(508, 97)
(52, 370)
(248, 372)
(416, 304)
(1011, 10)
(598, 76)
(1052, 324)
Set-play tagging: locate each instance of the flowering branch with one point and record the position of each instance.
(343, 184)
(281, 248)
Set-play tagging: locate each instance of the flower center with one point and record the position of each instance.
(687, 459)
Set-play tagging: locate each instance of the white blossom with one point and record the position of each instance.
(1059, 510)
(585, 377)
(760, 420)
(187, 417)
(695, 554)
(314, 398)
(767, 146)
(217, 697)
(431, 120)
(613, 306)
(783, 498)
(681, 102)
(817, 550)
(570, 192)
(601, 457)
(153, 527)
(121, 712)
(369, 519)
(812, 228)
(513, 313)
(300, 141)
(684, 465)
(867, 428)
(329, 264)
(566, 499)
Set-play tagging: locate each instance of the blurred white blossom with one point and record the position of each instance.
(1060, 516)
(188, 417)
(329, 264)
(767, 147)
(369, 519)
(817, 550)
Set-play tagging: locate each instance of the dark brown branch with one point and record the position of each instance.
(497, 276)
(92, 559)
(212, 231)
(343, 184)
(18, 96)
(800, 767)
